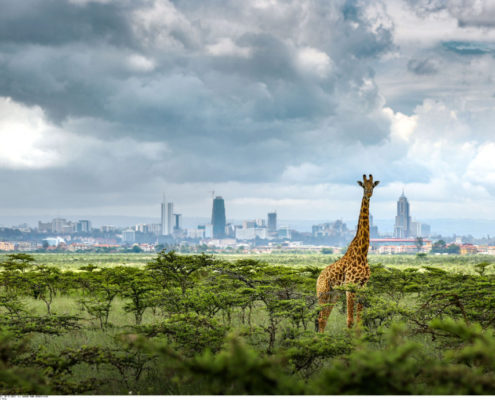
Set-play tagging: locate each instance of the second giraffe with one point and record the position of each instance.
(352, 268)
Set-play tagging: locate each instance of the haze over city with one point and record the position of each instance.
(105, 105)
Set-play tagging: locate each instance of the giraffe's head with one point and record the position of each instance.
(368, 185)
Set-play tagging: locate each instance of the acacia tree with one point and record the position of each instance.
(12, 282)
(101, 287)
(43, 283)
(137, 286)
(419, 243)
(172, 269)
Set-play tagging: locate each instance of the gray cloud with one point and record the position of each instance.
(55, 22)
(158, 94)
(235, 114)
(469, 48)
(422, 67)
(479, 14)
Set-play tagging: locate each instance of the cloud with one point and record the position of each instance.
(270, 102)
(479, 13)
(55, 22)
(422, 67)
(226, 47)
(140, 63)
(481, 169)
(27, 140)
(314, 62)
(469, 48)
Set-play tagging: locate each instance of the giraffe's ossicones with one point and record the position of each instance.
(351, 268)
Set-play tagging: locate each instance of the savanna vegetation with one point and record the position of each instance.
(196, 324)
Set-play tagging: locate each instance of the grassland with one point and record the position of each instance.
(242, 324)
(450, 263)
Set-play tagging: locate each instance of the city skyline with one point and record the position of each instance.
(276, 105)
(173, 221)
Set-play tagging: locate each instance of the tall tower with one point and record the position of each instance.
(218, 217)
(403, 219)
(272, 222)
(167, 217)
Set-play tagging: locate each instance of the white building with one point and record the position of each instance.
(128, 236)
(201, 232)
(167, 217)
(251, 233)
(155, 229)
(53, 241)
(417, 229)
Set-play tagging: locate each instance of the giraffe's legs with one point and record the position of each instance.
(323, 298)
(328, 298)
(359, 308)
(350, 308)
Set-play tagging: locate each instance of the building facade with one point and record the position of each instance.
(128, 236)
(83, 225)
(218, 219)
(403, 219)
(167, 218)
(272, 222)
(419, 229)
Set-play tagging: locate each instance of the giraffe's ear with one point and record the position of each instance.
(376, 183)
(360, 183)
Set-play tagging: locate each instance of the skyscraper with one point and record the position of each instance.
(83, 226)
(177, 222)
(272, 222)
(167, 217)
(218, 218)
(373, 228)
(403, 219)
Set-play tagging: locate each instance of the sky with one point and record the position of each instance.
(274, 105)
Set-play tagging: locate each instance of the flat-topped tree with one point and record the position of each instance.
(352, 268)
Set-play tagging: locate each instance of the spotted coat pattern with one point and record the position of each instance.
(352, 268)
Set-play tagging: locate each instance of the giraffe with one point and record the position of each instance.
(351, 268)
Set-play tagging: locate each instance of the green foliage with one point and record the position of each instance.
(453, 249)
(192, 324)
(173, 269)
(189, 333)
(137, 287)
(16, 379)
(439, 247)
(100, 287)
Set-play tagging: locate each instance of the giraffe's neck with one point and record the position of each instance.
(361, 241)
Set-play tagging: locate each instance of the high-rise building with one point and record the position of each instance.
(155, 229)
(425, 230)
(167, 217)
(272, 222)
(44, 226)
(58, 224)
(83, 225)
(177, 222)
(373, 228)
(108, 228)
(249, 224)
(218, 218)
(128, 236)
(403, 219)
(419, 230)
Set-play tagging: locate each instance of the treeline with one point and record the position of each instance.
(199, 325)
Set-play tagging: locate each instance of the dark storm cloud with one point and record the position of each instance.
(422, 67)
(56, 22)
(469, 48)
(480, 14)
(423, 7)
(156, 71)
